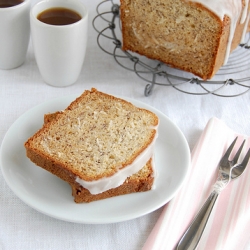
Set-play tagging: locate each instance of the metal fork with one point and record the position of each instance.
(228, 169)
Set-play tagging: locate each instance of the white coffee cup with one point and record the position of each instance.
(14, 35)
(59, 49)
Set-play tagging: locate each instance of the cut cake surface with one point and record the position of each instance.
(181, 33)
(141, 181)
(95, 137)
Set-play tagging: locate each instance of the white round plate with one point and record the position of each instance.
(51, 196)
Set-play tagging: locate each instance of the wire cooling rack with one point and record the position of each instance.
(231, 80)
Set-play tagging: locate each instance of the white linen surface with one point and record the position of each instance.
(21, 227)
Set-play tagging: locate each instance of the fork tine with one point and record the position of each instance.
(224, 159)
(246, 159)
(237, 155)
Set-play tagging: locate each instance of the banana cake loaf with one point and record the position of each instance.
(196, 36)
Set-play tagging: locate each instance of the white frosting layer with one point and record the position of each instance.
(243, 37)
(231, 8)
(104, 184)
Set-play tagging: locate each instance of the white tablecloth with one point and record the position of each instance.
(21, 227)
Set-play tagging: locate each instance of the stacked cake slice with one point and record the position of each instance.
(101, 145)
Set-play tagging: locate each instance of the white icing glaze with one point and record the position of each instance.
(245, 29)
(231, 8)
(104, 184)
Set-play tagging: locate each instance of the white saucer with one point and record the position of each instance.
(51, 196)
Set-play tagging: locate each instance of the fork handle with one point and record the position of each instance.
(191, 237)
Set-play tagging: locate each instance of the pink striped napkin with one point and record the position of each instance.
(229, 224)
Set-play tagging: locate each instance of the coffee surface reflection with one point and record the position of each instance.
(59, 16)
(9, 3)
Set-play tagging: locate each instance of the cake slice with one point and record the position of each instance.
(139, 182)
(97, 142)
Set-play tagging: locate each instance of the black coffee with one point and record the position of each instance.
(9, 3)
(58, 16)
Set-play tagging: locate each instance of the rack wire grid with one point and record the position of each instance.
(231, 80)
